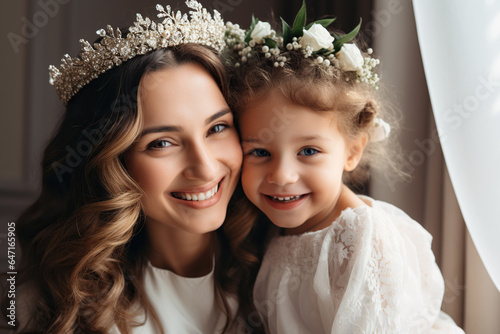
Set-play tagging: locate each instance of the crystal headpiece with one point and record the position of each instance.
(145, 35)
(310, 41)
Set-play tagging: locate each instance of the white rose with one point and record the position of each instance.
(350, 58)
(317, 37)
(261, 31)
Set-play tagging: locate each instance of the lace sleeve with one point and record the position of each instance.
(383, 276)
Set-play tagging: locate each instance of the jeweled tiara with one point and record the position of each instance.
(144, 36)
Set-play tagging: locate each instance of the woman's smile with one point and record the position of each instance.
(200, 199)
(188, 158)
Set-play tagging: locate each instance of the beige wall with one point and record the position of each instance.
(11, 93)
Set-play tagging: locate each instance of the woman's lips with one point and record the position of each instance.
(200, 199)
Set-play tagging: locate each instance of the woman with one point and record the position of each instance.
(126, 233)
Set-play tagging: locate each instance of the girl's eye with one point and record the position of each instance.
(308, 151)
(217, 128)
(159, 144)
(260, 152)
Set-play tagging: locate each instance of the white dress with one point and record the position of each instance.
(371, 271)
(184, 305)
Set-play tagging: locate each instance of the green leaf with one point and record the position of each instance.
(325, 23)
(323, 52)
(254, 21)
(337, 44)
(300, 21)
(249, 31)
(287, 32)
(271, 42)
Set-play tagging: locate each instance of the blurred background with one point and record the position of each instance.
(35, 34)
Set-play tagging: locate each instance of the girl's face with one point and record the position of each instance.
(188, 158)
(293, 160)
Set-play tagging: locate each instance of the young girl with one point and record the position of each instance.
(310, 121)
(126, 234)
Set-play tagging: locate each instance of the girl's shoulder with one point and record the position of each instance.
(376, 222)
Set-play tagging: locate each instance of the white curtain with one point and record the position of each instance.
(471, 297)
(460, 43)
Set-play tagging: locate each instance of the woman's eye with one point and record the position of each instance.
(159, 144)
(217, 128)
(308, 151)
(259, 152)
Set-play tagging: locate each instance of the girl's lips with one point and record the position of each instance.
(285, 202)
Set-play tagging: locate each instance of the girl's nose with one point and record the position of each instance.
(282, 173)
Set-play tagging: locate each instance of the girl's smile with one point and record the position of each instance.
(293, 174)
(285, 202)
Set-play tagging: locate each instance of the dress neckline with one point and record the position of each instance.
(171, 274)
(369, 206)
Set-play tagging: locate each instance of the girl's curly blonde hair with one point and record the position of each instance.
(303, 81)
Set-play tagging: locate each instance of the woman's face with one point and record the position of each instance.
(188, 157)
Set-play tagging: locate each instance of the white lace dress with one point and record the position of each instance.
(371, 271)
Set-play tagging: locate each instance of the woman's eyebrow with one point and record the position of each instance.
(217, 115)
(161, 128)
(173, 128)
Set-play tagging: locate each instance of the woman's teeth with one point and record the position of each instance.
(286, 199)
(198, 196)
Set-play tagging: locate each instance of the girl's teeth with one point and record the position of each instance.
(197, 197)
(291, 198)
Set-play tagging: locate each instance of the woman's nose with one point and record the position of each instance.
(282, 173)
(201, 164)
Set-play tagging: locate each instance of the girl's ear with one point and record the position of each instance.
(355, 152)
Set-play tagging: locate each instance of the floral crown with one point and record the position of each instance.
(144, 36)
(312, 40)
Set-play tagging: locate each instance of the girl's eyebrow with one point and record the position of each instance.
(173, 128)
(250, 140)
(298, 139)
(308, 138)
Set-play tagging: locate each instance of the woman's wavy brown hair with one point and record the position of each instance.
(83, 239)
